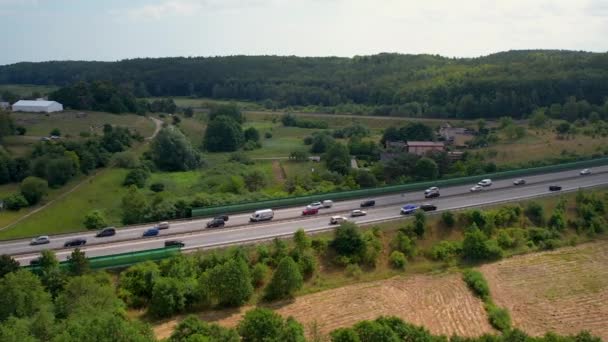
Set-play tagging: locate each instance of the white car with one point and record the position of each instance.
(585, 172)
(485, 182)
(431, 192)
(476, 188)
(40, 240)
(337, 219)
(357, 212)
(315, 205)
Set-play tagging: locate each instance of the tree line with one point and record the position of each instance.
(508, 83)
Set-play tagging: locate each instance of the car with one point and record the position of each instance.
(215, 223)
(109, 231)
(485, 182)
(75, 242)
(357, 212)
(585, 172)
(315, 205)
(162, 225)
(519, 182)
(35, 261)
(310, 211)
(409, 209)
(368, 203)
(40, 240)
(431, 192)
(262, 215)
(328, 203)
(428, 207)
(174, 243)
(151, 232)
(555, 187)
(337, 219)
(476, 188)
(223, 217)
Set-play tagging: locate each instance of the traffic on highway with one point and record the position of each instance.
(268, 223)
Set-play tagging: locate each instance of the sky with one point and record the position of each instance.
(108, 30)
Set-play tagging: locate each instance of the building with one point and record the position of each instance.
(5, 105)
(37, 106)
(422, 147)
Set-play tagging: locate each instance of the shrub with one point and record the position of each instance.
(259, 273)
(499, 317)
(33, 189)
(402, 243)
(447, 218)
(267, 135)
(285, 281)
(15, 202)
(136, 177)
(157, 187)
(445, 250)
(397, 260)
(536, 213)
(353, 271)
(307, 264)
(477, 283)
(126, 160)
(94, 220)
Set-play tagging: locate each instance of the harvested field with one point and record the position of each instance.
(564, 291)
(442, 303)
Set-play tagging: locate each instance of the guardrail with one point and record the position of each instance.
(344, 195)
(122, 259)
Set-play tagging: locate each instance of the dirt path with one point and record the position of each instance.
(278, 171)
(441, 303)
(158, 123)
(564, 291)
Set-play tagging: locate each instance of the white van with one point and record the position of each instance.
(328, 203)
(162, 225)
(262, 215)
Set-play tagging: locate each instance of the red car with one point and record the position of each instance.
(310, 211)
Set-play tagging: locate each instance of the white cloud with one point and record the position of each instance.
(168, 8)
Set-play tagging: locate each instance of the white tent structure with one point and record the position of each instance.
(38, 106)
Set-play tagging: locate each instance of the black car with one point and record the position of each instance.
(222, 217)
(368, 203)
(110, 231)
(75, 242)
(35, 262)
(555, 188)
(428, 207)
(431, 195)
(174, 243)
(216, 222)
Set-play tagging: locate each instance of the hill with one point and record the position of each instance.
(508, 83)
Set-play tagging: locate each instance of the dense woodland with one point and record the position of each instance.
(510, 83)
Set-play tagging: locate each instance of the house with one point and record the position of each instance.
(5, 105)
(422, 147)
(37, 106)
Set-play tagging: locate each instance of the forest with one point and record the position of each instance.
(512, 83)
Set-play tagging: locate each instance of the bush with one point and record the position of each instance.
(536, 213)
(157, 187)
(477, 283)
(353, 271)
(20, 130)
(308, 264)
(94, 220)
(136, 177)
(499, 317)
(33, 189)
(15, 202)
(397, 260)
(259, 273)
(267, 135)
(446, 250)
(285, 281)
(126, 160)
(348, 241)
(402, 243)
(447, 218)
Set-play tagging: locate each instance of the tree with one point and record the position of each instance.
(538, 119)
(33, 189)
(285, 281)
(366, 179)
(254, 180)
(447, 217)
(261, 324)
(134, 206)
(229, 110)
(301, 240)
(78, 264)
(51, 275)
(348, 241)
(230, 282)
(337, 158)
(22, 295)
(252, 134)
(87, 294)
(55, 132)
(223, 134)
(419, 223)
(7, 265)
(477, 246)
(193, 326)
(15, 202)
(563, 129)
(136, 177)
(373, 331)
(168, 297)
(344, 335)
(59, 171)
(137, 282)
(320, 142)
(536, 213)
(299, 156)
(426, 168)
(172, 151)
(94, 220)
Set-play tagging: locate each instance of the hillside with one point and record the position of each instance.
(509, 83)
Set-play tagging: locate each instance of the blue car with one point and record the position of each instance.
(409, 209)
(151, 232)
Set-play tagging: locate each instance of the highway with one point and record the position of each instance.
(286, 221)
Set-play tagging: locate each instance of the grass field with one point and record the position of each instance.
(564, 291)
(26, 90)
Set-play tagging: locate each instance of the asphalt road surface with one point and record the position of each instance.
(286, 221)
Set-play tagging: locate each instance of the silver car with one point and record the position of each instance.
(40, 240)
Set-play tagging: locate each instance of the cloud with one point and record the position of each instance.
(188, 7)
